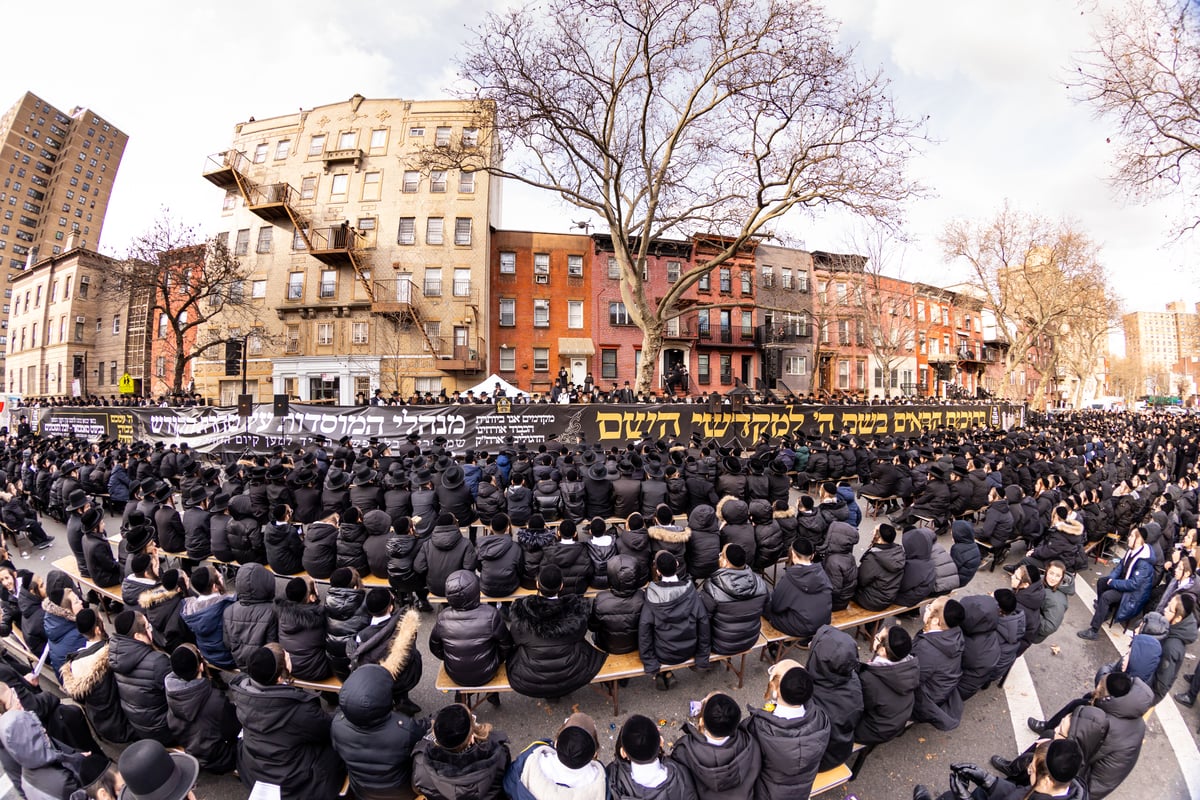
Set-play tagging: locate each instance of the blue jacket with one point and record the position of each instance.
(63, 636)
(847, 494)
(1144, 654)
(1135, 589)
(472, 474)
(118, 484)
(204, 616)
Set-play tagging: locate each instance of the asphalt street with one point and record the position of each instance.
(993, 721)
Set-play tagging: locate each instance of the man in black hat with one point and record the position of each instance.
(454, 496)
(97, 553)
(150, 771)
(75, 504)
(171, 536)
(20, 517)
(197, 533)
(365, 491)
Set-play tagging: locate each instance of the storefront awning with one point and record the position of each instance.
(576, 347)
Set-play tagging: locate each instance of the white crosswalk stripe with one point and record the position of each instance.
(1023, 703)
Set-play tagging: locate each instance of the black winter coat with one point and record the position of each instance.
(251, 623)
(917, 582)
(802, 601)
(736, 600)
(737, 528)
(285, 548)
(197, 533)
(1110, 733)
(704, 541)
(519, 500)
(833, 666)
(101, 564)
(674, 626)
(471, 639)
(345, 615)
(171, 536)
(308, 505)
(162, 608)
(600, 549)
(964, 551)
(616, 612)
(204, 722)
(575, 561)
(499, 564)
(621, 785)
(940, 655)
(219, 536)
(598, 498)
(88, 679)
(476, 772)
(379, 527)
(375, 742)
(458, 501)
(285, 740)
(402, 555)
(879, 575)
(981, 643)
(551, 656)
(674, 540)
(636, 545)
(392, 644)
(245, 533)
(791, 751)
(1029, 600)
(140, 671)
(839, 563)
(889, 694)
(489, 502)
(446, 551)
(302, 636)
(724, 771)
(534, 543)
(350, 547)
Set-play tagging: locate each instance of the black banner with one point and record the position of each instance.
(222, 431)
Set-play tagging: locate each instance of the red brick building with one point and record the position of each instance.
(178, 265)
(951, 355)
(543, 307)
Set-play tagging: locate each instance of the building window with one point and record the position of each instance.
(726, 276)
(843, 332)
(407, 232)
(541, 263)
(466, 182)
(575, 266)
(541, 313)
(726, 368)
(508, 312)
(441, 136)
(508, 263)
(433, 282)
(85, 282)
(860, 374)
(416, 131)
(617, 314)
(508, 359)
(116, 326)
(574, 313)
(768, 276)
(704, 283)
(541, 359)
(258, 289)
(347, 140)
(292, 340)
(614, 269)
(339, 187)
(462, 231)
(328, 283)
(260, 153)
(295, 289)
(379, 139)
(412, 181)
(703, 373)
(308, 187)
(434, 331)
(673, 270)
(470, 137)
(298, 239)
(358, 332)
(324, 333)
(437, 181)
(843, 374)
(229, 204)
(316, 145)
(747, 283)
(372, 187)
(785, 278)
(264, 239)
(796, 365)
(112, 372)
(160, 367)
(241, 244)
(608, 363)
(433, 230)
(282, 148)
(37, 297)
(462, 282)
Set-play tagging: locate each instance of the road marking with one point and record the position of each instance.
(1023, 703)
(1187, 754)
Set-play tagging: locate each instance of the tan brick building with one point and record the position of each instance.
(377, 270)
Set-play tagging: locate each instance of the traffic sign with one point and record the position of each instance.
(126, 384)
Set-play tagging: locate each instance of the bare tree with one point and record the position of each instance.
(1083, 339)
(1144, 76)
(884, 304)
(194, 290)
(1034, 274)
(667, 118)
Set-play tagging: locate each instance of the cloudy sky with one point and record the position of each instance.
(177, 77)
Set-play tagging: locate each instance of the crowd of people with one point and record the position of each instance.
(675, 550)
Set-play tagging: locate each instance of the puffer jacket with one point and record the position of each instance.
(981, 643)
(674, 626)
(519, 501)
(245, 533)
(140, 673)
(64, 638)
(379, 528)
(837, 690)
(87, 678)
(599, 549)
(997, 527)
(285, 548)
(1011, 628)
(471, 639)
(725, 771)
(791, 751)
(574, 500)
(320, 550)
(919, 578)
(964, 551)
(345, 615)
(499, 564)
(802, 601)
(444, 552)
(879, 576)
(575, 561)
(677, 784)
(204, 722)
(704, 541)
(1029, 600)
(533, 543)
(251, 623)
(1136, 587)
(551, 656)
(616, 611)
(1174, 649)
(635, 543)
(737, 528)
(1064, 541)
(351, 550)
(945, 571)
(402, 555)
(889, 694)
(205, 616)
(674, 539)
(853, 511)
(1110, 733)
(375, 742)
(768, 536)
(476, 772)
(940, 655)
(788, 526)
(839, 563)
(285, 740)
(489, 502)
(811, 526)
(302, 636)
(162, 609)
(547, 500)
(391, 643)
(736, 600)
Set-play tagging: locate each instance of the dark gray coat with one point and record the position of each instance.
(940, 655)
(791, 751)
(833, 665)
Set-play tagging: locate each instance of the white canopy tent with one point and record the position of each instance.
(489, 385)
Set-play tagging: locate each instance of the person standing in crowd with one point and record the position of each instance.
(792, 735)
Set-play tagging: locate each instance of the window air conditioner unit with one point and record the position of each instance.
(541, 278)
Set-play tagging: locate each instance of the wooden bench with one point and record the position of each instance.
(850, 618)
(998, 553)
(877, 506)
(616, 668)
(831, 779)
(67, 564)
(508, 598)
(369, 580)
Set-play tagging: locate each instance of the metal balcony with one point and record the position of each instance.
(335, 245)
(274, 202)
(464, 358)
(225, 169)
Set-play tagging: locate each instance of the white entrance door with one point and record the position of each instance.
(404, 287)
(578, 371)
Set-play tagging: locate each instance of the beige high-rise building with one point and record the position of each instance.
(376, 270)
(58, 171)
(1156, 340)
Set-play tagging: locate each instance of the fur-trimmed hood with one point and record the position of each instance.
(732, 510)
(157, 596)
(551, 618)
(57, 610)
(669, 533)
(1071, 527)
(789, 514)
(403, 633)
(83, 671)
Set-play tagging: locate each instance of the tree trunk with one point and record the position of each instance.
(652, 343)
(180, 364)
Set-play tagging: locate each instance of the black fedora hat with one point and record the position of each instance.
(137, 537)
(163, 492)
(91, 519)
(338, 480)
(597, 472)
(731, 464)
(654, 470)
(778, 466)
(423, 476)
(151, 772)
(196, 495)
(277, 472)
(364, 477)
(303, 476)
(453, 477)
(220, 502)
(77, 500)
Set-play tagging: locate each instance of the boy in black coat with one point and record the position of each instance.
(674, 625)
(203, 720)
